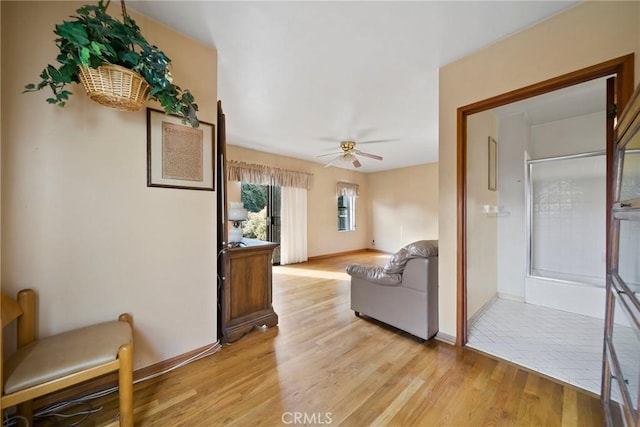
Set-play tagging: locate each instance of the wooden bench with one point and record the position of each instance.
(42, 366)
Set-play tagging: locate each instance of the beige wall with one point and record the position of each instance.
(403, 206)
(387, 212)
(586, 34)
(79, 224)
(482, 228)
(323, 236)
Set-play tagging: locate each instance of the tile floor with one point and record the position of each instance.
(556, 343)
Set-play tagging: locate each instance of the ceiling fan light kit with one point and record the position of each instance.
(347, 145)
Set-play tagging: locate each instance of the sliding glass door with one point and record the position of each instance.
(264, 206)
(274, 207)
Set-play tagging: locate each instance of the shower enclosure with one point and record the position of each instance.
(566, 198)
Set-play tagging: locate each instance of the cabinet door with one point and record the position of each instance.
(621, 364)
(624, 349)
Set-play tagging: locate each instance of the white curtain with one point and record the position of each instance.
(293, 231)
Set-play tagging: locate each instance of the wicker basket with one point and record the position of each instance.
(115, 87)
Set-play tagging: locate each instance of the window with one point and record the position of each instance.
(347, 193)
(346, 213)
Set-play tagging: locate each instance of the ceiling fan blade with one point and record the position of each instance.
(356, 163)
(326, 138)
(371, 156)
(376, 141)
(330, 154)
(362, 133)
(332, 161)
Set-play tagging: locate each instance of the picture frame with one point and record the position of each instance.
(178, 155)
(492, 164)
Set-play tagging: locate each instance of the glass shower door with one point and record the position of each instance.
(567, 199)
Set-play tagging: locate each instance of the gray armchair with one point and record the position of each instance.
(403, 293)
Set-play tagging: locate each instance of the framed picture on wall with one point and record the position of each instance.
(493, 164)
(179, 156)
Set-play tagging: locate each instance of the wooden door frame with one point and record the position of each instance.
(622, 67)
(222, 234)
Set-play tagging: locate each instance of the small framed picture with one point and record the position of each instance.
(493, 164)
(178, 155)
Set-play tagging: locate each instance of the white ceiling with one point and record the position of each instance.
(295, 78)
(577, 100)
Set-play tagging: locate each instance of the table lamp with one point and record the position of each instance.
(236, 214)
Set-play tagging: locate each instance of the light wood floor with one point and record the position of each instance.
(327, 367)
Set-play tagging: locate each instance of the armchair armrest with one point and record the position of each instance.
(374, 274)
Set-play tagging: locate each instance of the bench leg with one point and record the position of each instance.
(25, 409)
(125, 385)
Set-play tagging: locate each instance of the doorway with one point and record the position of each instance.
(618, 90)
(621, 67)
(542, 304)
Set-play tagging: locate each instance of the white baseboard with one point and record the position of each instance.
(446, 338)
(511, 297)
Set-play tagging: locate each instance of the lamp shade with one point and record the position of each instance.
(237, 212)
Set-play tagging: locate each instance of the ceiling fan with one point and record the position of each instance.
(348, 154)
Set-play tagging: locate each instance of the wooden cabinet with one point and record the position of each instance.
(246, 292)
(621, 363)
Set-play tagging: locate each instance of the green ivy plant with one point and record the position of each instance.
(94, 38)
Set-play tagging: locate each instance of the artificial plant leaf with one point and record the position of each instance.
(73, 32)
(130, 58)
(109, 51)
(187, 96)
(67, 72)
(53, 72)
(61, 58)
(84, 56)
(96, 47)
